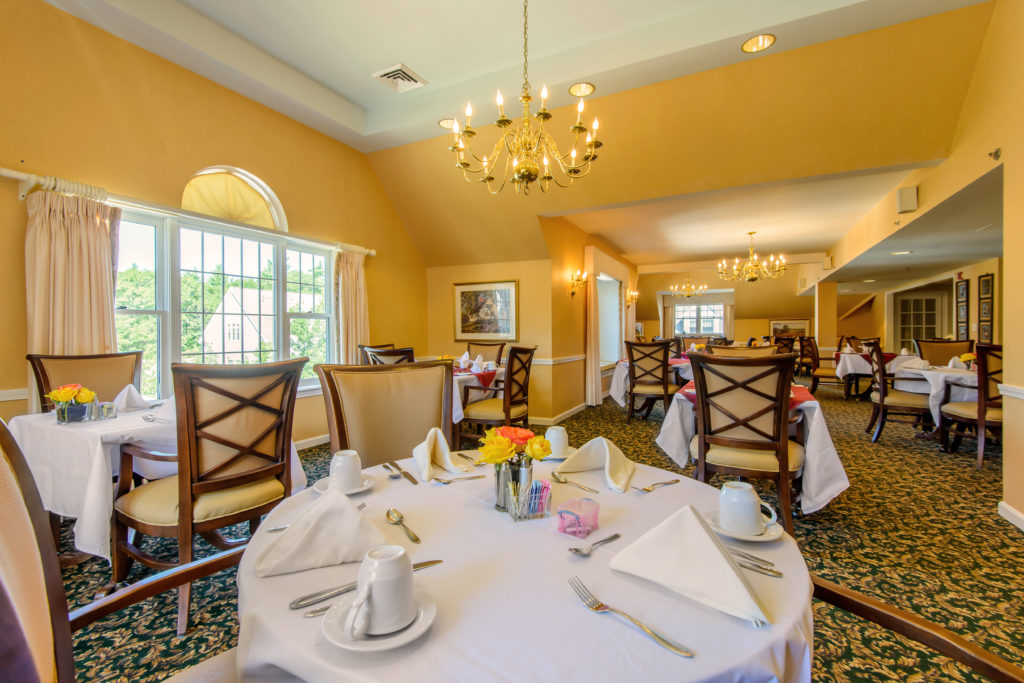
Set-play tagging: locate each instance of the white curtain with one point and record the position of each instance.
(730, 315)
(593, 343)
(351, 312)
(70, 247)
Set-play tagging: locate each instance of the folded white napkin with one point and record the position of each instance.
(464, 361)
(955, 362)
(684, 555)
(600, 453)
(330, 531)
(916, 363)
(435, 451)
(129, 399)
(479, 364)
(848, 349)
(904, 351)
(167, 411)
(693, 347)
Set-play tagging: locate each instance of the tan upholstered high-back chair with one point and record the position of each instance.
(649, 377)
(983, 415)
(105, 373)
(390, 356)
(743, 422)
(785, 344)
(234, 454)
(34, 623)
(741, 351)
(383, 411)
(491, 351)
(939, 351)
(510, 408)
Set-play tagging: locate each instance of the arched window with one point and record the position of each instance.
(234, 194)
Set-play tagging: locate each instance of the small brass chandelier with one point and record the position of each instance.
(753, 269)
(688, 290)
(532, 155)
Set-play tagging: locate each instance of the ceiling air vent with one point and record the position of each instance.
(400, 78)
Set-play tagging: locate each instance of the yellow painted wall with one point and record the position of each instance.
(82, 104)
(867, 321)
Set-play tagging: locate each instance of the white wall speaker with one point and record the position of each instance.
(906, 199)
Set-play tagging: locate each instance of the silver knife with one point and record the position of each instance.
(753, 558)
(760, 569)
(404, 473)
(326, 594)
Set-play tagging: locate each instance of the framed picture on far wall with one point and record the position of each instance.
(486, 311)
(962, 288)
(789, 328)
(961, 331)
(961, 312)
(985, 333)
(985, 283)
(985, 310)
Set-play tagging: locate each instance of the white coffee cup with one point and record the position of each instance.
(559, 441)
(491, 365)
(739, 510)
(346, 471)
(384, 600)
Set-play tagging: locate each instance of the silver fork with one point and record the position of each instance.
(452, 481)
(656, 484)
(595, 605)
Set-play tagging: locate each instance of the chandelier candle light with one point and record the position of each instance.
(687, 290)
(753, 269)
(526, 154)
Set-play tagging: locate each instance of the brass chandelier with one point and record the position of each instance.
(753, 269)
(526, 153)
(688, 290)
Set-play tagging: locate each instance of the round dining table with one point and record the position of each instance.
(505, 609)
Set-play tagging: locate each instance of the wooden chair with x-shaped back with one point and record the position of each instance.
(649, 376)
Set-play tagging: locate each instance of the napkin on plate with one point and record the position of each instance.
(464, 361)
(129, 399)
(479, 364)
(848, 349)
(330, 531)
(435, 451)
(600, 453)
(166, 411)
(684, 555)
(916, 363)
(904, 351)
(955, 362)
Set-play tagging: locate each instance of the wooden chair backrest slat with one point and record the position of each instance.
(648, 363)
(990, 376)
(809, 352)
(390, 356)
(786, 344)
(517, 376)
(374, 347)
(105, 373)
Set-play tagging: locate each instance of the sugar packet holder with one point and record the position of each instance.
(528, 502)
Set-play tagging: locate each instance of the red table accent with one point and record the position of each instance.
(485, 378)
(679, 361)
(798, 394)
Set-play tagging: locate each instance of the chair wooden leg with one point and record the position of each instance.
(185, 589)
(629, 415)
(881, 424)
(958, 436)
(943, 435)
(847, 382)
(981, 443)
(121, 561)
(874, 418)
(648, 407)
(814, 384)
(785, 490)
(254, 524)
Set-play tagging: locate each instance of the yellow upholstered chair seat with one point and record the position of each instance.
(157, 501)
(969, 411)
(654, 389)
(492, 409)
(905, 399)
(749, 458)
(824, 372)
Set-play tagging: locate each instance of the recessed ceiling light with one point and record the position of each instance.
(446, 123)
(758, 43)
(869, 281)
(581, 89)
(900, 253)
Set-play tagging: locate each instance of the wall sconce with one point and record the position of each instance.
(631, 296)
(578, 281)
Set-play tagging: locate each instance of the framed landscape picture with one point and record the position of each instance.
(985, 333)
(789, 328)
(985, 283)
(985, 310)
(961, 331)
(962, 288)
(961, 312)
(486, 311)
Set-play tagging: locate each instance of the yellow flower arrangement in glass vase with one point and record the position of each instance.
(968, 359)
(512, 451)
(71, 402)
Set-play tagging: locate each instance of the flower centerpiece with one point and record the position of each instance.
(512, 451)
(700, 347)
(968, 359)
(71, 402)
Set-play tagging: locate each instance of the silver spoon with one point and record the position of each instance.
(585, 552)
(396, 517)
(452, 481)
(562, 480)
(656, 484)
(391, 473)
(275, 529)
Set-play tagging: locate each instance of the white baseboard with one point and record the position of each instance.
(557, 418)
(1011, 515)
(312, 441)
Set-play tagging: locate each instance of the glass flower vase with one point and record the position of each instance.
(70, 412)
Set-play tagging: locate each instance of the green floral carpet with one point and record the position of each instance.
(917, 528)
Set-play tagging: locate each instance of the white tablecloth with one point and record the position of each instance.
(856, 364)
(619, 388)
(463, 379)
(824, 475)
(938, 378)
(505, 609)
(73, 465)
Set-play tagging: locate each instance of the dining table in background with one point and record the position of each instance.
(619, 387)
(466, 378)
(74, 465)
(860, 363)
(505, 610)
(824, 477)
(938, 378)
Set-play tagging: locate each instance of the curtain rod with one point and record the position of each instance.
(27, 181)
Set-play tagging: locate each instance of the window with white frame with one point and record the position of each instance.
(199, 291)
(700, 320)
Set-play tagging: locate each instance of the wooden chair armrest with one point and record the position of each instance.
(148, 587)
(477, 387)
(915, 628)
(138, 452)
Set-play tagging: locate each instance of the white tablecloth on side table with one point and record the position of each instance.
(73, 466)
(938, 378)
(619, 388)
(856, 364)
(824, 475)
(463, 379)
(505, 611)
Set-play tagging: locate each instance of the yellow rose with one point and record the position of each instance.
(85, 395)
(538, 448)
(967, 357)
(62, 394)
(495, 449)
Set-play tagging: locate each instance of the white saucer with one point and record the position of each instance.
(321, 486)
(772, 533)
(333, 626)
(568, 451)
